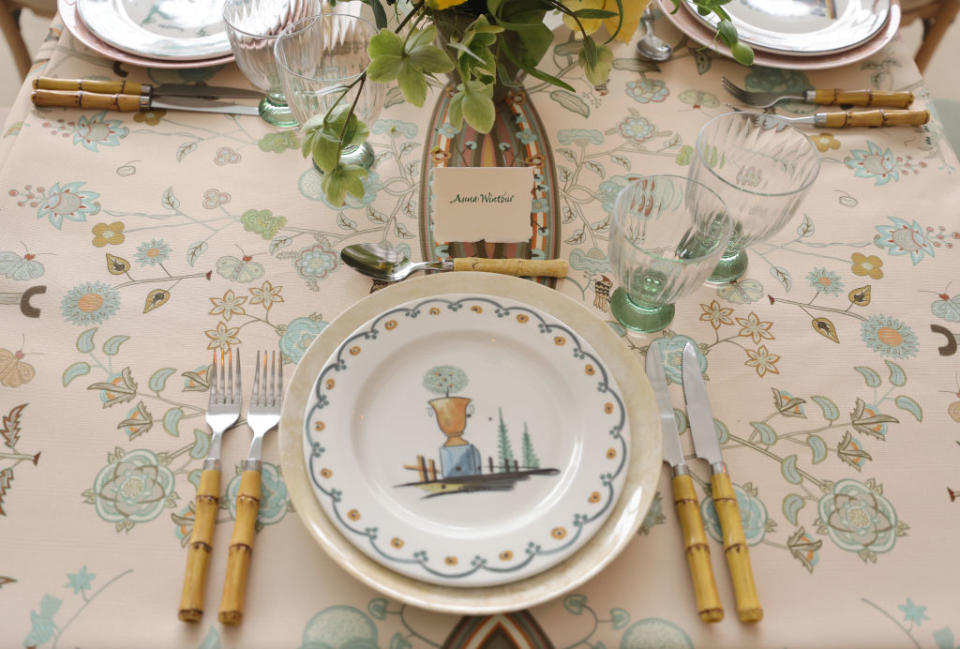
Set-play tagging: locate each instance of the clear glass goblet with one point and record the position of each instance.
(321, 60)
(253, 26)
(762, 168)
(666, 235)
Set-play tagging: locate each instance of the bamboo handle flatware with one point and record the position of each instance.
(86, 99)
(836, 97)
(105, 87)
(735, 548)
(697, 550)
(517, 267)
(850, 119)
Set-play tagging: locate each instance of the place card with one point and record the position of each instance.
(489, 203)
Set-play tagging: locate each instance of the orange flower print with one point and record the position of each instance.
(353, 515)
(558, 533)
(108, 234)
(594, 498)
(589, 370)
(150, 117)
(715, 314)
(396, 542)
(611, 453)
(762, 360)
(824, 142)
(326, 473)
(450, 561)
(869, 265)
(522, 317)
(506, 555)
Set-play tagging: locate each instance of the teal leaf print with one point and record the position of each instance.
(789, 469)
(571, 102)
(944, 638)
(829, 408)
(194, 250)
(870, 376)
(947, 308)
(78, 369)
(819, 447)
(680, 418)
(722, 433)
(399, 642)
(897, 376)
(792, 505)
(201, 444)
(906, 403)
(185, 149)
(767, 434)
(85, 341)
(112, 346)
(42, 626)
(575, 603)
(158, 381)
(169, 200)
(378, 608)
(79, 581)
(619, 618)
(211, 640)
(171, 421)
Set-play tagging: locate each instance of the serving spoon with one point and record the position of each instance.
(389, 265)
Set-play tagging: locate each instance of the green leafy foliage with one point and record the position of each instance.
(407, 61)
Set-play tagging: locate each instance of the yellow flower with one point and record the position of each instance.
(755, 328)
(223, 337)
(632, 9)
(715, 314)
(825, 142)
(266, 295)
(762, 360)
(864, 265)
(228, 306)
(440, 5)
(108, 233)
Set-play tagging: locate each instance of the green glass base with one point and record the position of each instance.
(276, 113)
(729, 268)
(639, 318)
(361, 156)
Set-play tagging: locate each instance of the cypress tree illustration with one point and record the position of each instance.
(530, 459)
(504, 450)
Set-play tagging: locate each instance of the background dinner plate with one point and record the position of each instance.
(466, 440)
(627, 513)
(701, 33)
(67, 10)
(802, 27)
(176, 30)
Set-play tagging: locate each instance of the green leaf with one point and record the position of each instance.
(595, 13)
(575, 603)
(171, 421)
(343, 179)
(789, 469)
(413, 84)
(478, 109)
(589, 52)
(201, 444)
(85, 341)
(77, 369)
(897, 376)
(385, 43)
(792, 505)
(384, 68)
(767, 434)
(534, 72)
(829, 408)
(619, 618)
(420, 38)
(819, 447)
(597, 71)
(326, 153)
(571, 102)
(158, 381)
(456, 110)
(379, 15)
(112, 346)
(378, 608)
(635, 65)
(870, 376)
(727, 32)
(906, 403)
(430, 59)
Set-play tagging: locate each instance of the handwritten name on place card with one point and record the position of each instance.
(490, 203)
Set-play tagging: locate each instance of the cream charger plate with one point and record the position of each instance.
(466, 470)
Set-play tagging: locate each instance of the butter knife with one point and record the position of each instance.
(134, 103)
(126, 87)
(685, 498)
(707, 447)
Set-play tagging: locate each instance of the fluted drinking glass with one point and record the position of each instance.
(321, 59)
(762, 168)
(253, 27)
(666, 235)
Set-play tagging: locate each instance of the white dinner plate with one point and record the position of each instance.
(803, 27)
(175, 30)
(518, 536)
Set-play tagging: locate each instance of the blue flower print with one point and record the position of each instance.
(609, 190)
(68, 202)
(876, 162)
(298, 336)
(540, 205)
(636, 128)
(858, 518)
(152, 253)
(579, 135)
(341, 627)
(903, 238)
(527, 136)
(448, 130)
(647, 90)
(273, 495)
(913, 613)
(825, 281)
(97, 131)
(889, 336)
(90, 303)
(80, 580)
(316, 262)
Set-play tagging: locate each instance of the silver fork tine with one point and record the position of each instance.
(238, 393)
(221, 395)
(280, 381)
(212, 397)
(255, 393)
(273, 378)
(228, 397)
(263, 394)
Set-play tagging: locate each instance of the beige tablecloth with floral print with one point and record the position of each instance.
(132, 245)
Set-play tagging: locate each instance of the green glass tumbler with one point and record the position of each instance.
(762, 168)
(666, 235)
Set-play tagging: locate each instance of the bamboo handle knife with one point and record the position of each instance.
(104, 87)
(697, 550)
(735, 549)
(86, 99)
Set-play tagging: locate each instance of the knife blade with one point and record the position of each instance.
(134, 103)
(126, 87)
(707, 447)
(685, 498)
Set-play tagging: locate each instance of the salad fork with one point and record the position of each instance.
(223, 410)
(262, 417)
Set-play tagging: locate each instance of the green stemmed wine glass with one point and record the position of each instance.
(762, 167)
(666, 236)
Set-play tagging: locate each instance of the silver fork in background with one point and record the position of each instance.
(263, 416)
(223, 410)
(823, 97)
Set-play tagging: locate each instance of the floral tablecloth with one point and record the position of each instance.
(133, 245)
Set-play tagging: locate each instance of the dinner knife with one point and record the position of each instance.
(707, 447)
(125, 87)
(134, 103)
(685, 498)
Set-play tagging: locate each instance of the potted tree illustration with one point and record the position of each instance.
(457, 456)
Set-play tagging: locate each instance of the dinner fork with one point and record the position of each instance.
(223, 410)
(823, 97)
(262, 417)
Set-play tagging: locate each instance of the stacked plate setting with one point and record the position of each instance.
(150, 33)
(797, 34)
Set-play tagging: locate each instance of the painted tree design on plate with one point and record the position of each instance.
(444, 379)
